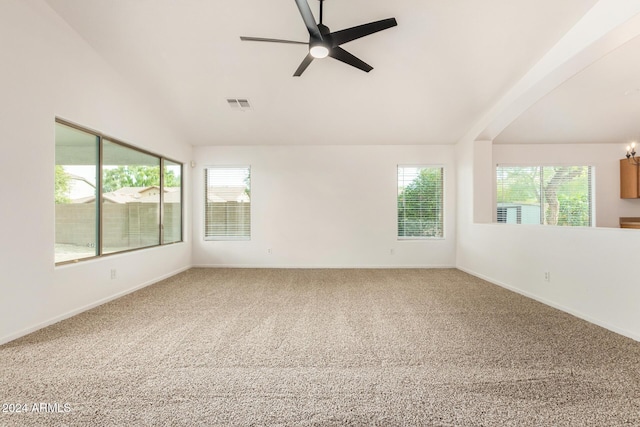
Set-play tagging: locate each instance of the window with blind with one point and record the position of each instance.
(227, 213)
(420, 202)
(548, 195)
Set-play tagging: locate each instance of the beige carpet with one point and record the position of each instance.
(322, 347)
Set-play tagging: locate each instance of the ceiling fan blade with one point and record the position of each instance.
(309, 20)
(342, 55)
(303, 66)
(344, 36)
(261, 39)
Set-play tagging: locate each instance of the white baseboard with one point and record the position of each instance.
(576, 313)
(320, 267)
(74, 312)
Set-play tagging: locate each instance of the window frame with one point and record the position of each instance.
(442, 204)
(591, 178)
(101, 137)
(162, 201)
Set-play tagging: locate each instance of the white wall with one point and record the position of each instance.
(325, 206)
(592, 269)
(47, 72)
(605, 159)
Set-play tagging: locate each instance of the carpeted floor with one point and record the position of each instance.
(322, 347)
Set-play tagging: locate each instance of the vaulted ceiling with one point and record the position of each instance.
(436, 74)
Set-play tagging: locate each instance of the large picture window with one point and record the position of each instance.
(420, 202)
(548, 195)
(111, 197)
(227, 195)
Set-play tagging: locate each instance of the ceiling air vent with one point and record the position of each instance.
(239, 104)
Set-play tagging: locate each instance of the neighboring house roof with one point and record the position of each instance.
(169, 197)
(134, 190)
(136, 194)
(227, 194)
(88, 199)
(116, 198)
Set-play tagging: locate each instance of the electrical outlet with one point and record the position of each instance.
(113, 274)
(392, 251)
(269, 251)
(547, 276)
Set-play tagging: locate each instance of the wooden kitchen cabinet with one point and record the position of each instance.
(629, 180)
(630, 222)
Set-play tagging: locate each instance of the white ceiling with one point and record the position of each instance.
(435, 74)
(601, 104)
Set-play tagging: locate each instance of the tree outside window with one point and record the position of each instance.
(549, 195)
(420, 202)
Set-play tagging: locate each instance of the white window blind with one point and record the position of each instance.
(420, 202)
(548, 195)
(227, 203)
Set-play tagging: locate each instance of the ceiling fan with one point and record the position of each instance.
(322, 42)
